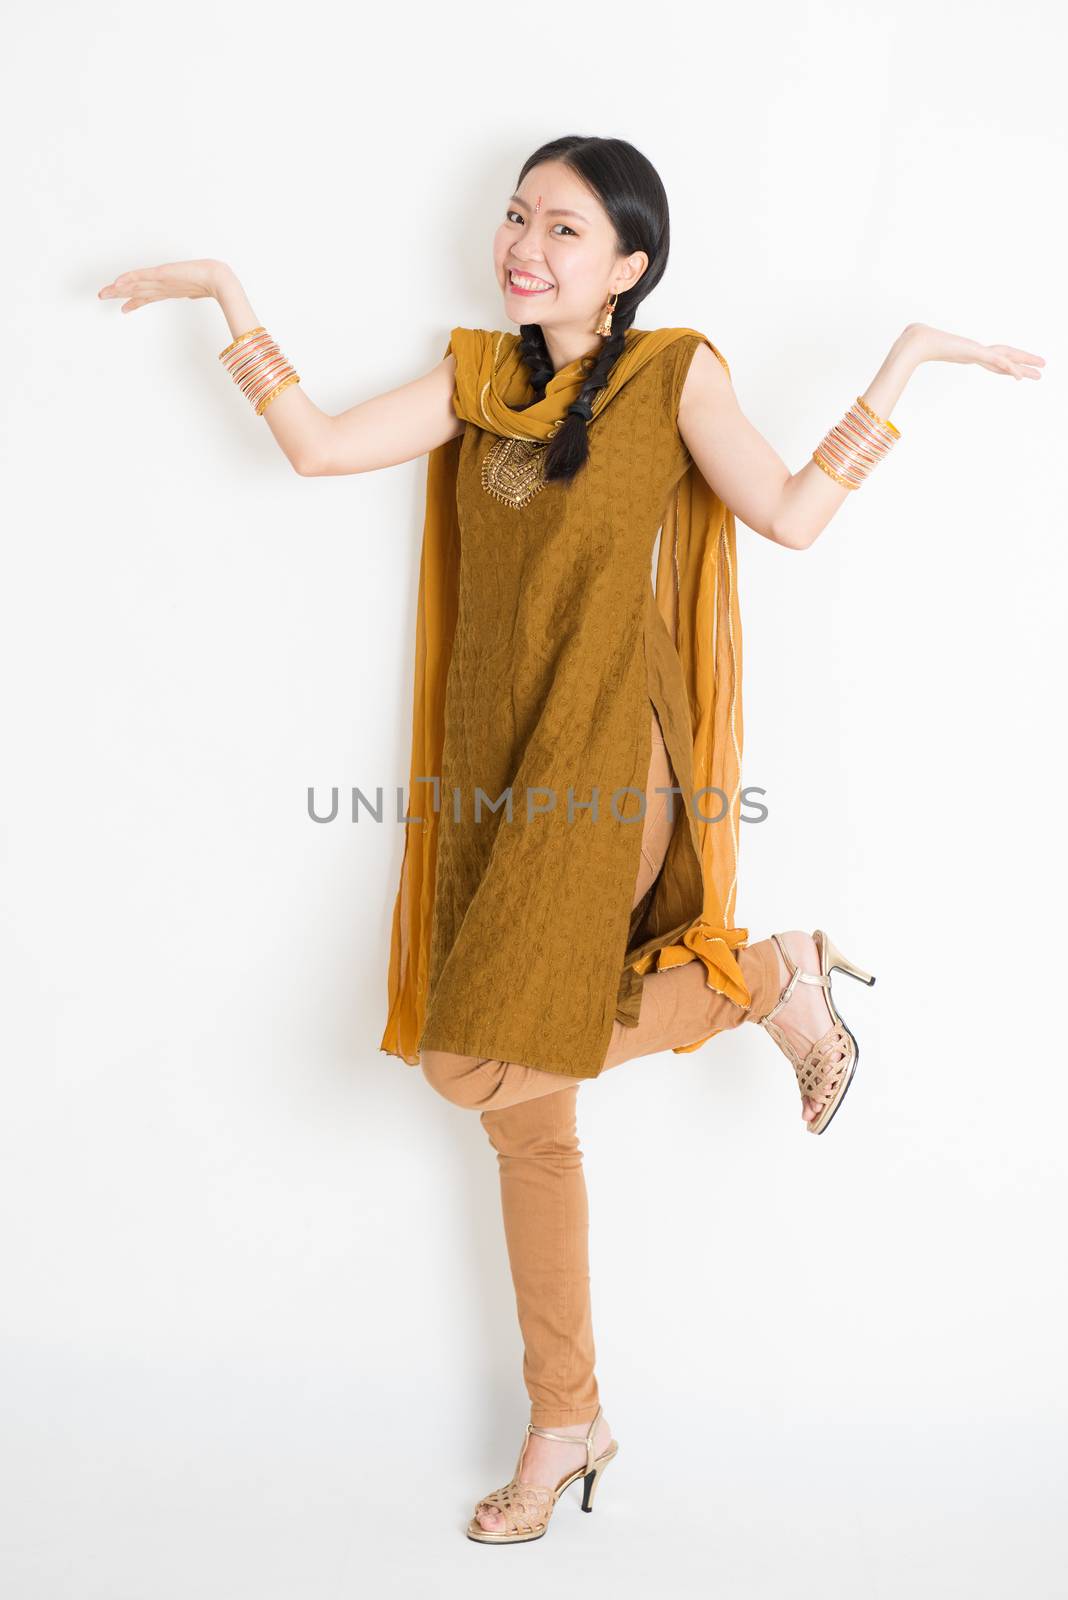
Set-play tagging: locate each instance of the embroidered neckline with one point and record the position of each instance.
(513, 470)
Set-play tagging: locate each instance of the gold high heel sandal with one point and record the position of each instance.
(825, 1072)
(527, 1507)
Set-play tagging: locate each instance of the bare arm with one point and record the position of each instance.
(379, 432)
(792, 509)
(387, 429)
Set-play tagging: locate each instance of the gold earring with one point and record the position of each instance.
(605, 324)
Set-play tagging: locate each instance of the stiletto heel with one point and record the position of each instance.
(836, 960)
(826, 1070)
(527, 1507)
(589, 1487)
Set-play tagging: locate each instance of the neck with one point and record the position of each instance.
(565, 346)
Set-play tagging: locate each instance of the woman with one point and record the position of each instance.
(538, 947)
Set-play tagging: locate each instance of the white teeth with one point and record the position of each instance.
(528, 283)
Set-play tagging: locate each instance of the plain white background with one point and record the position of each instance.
(259, 1334)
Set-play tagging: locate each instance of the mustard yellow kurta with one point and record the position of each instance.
(558, 649)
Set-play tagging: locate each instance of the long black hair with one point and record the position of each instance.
(629, 187)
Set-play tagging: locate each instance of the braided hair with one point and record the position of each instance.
(629, 187)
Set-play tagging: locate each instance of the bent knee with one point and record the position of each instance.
(456, 1078)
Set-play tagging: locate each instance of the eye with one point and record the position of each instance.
(508, 215)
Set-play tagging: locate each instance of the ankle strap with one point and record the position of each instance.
(571, 1438)
(797, 976)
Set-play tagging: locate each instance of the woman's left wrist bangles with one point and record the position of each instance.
(258, 367)
(853, 447)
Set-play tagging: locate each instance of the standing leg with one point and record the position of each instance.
(546, 1226)
(545, 1207)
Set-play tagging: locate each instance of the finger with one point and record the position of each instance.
(145, 297)
(153, 289)
(1004, 357)
(127, 285)
(1025, 371)
(145, 285)
(1019, 355)
(124, 279)
(1016, 362)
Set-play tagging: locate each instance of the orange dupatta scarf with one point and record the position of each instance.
(696, 593)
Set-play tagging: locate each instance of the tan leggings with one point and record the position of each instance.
(530, 1119)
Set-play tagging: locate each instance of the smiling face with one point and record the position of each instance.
(557, 261)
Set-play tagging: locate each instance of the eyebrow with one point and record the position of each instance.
(554, 213)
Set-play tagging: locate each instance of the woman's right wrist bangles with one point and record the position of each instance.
(258, 367)
(854, 446)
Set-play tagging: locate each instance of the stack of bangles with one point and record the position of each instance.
(258, 367)
(855, 445)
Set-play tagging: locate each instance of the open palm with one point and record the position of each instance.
(937, 345)
(173, 280)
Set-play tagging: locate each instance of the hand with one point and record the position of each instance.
(933, 344)
(174, 280)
